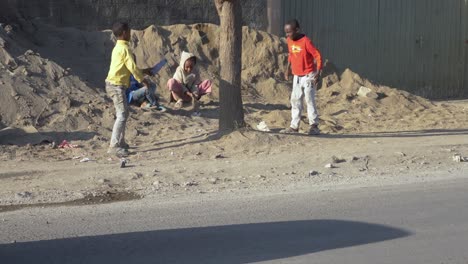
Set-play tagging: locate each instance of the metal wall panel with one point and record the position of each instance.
(417, 45)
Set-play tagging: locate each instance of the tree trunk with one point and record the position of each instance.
(231, 114)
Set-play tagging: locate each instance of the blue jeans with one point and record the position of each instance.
(142, 94)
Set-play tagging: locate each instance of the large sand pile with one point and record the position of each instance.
(53, 79)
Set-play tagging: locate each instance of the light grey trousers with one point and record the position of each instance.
(303, 88)
(117, 94)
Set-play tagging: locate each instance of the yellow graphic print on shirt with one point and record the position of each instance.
(295, 49)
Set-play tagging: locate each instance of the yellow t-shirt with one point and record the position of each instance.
(123, 65)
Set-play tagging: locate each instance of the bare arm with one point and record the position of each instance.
(287, 72)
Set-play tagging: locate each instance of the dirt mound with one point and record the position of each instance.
(38, 92)
(350, 103)
(53, 79)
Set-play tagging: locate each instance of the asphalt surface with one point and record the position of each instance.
(419, 223)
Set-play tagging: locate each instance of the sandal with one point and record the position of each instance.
(178, 105)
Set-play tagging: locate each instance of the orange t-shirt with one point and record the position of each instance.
(304, 56)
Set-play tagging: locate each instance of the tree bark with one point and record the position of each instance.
(231, 116)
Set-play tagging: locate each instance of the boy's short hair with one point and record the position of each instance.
(293, 23)
(119, 28)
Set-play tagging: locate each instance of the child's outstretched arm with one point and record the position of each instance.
(134, 70)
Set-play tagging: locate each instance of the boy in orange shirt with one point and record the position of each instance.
(306, 64)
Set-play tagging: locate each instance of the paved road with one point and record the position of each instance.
(424, 223)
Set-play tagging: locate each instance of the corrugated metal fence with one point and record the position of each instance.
(417, 45)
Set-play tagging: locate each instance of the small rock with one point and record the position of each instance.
(103, 180)
(313, 173)
(401, 154)
(136, 176)
(219, 156)
(190, 183)
(29, 52)
(213, 180)
(335, 159)
(24, 195)
(198, 154)
(330, 166)
(367, 92)
(157, 183)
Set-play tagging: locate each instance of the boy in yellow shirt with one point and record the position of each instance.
(118, 79)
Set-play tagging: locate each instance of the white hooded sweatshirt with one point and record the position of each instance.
(188, 80)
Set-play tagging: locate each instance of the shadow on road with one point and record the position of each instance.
(231, 244)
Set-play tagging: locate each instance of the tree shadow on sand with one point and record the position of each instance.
(29, 135)
(392, 134)
(230, 244)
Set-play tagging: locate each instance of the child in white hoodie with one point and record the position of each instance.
(186, 86)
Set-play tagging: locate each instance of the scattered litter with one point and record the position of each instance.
(459, 158)
(330, 166)
(262, 126)
(76, 157)
(401, 154)
(85, 160)
(65, 145)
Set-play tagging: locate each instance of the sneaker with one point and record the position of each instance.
(125, 146)
(161, 108)
(313, 130)
(119, 152)
(147, 106)
(289, 130)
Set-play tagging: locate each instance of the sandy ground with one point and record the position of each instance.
(52, 90)
(202, 163)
